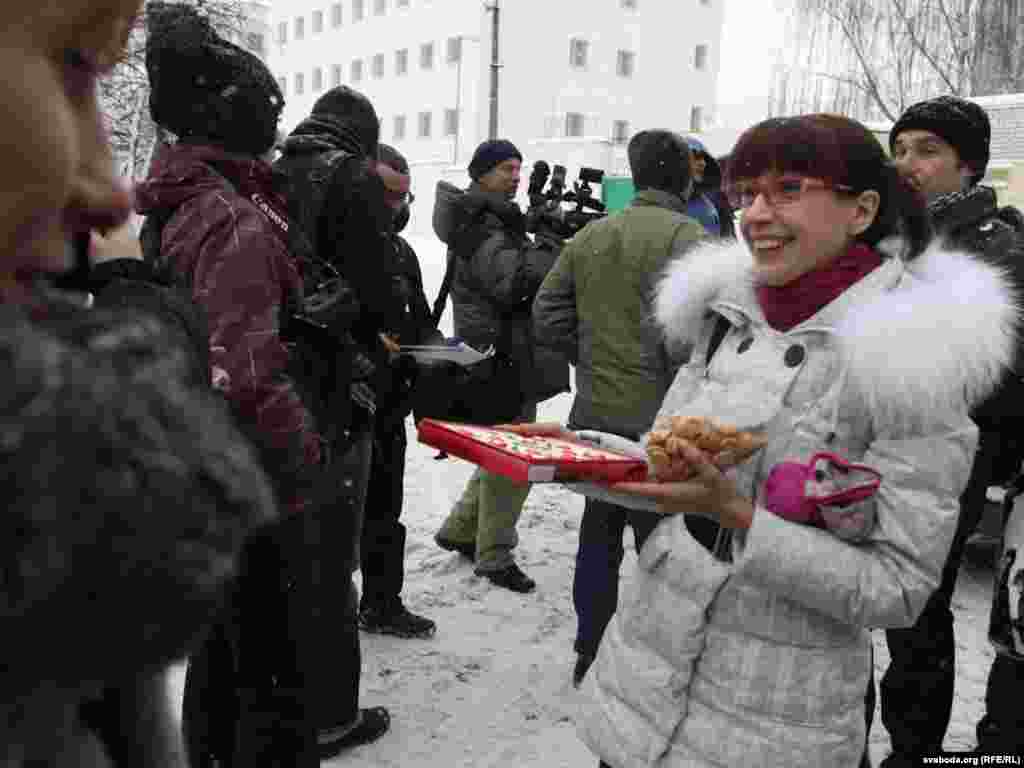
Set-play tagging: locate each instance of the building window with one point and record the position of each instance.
(573, 124)
(336, 15)
(454, 50)
(254, 40)
(318, 22)
(700, 57)
(300, 27)
(427, 56)
(318, 79)
(380, 7)
(399, 128)
(451, 122)
(630, 4)
(282, 32)
(578, 53)
(356, 74)
(625, 64)
(300, 83)
(283, 83)
(620, 131)
(402, 61)
(696, 118)
(358, 10)
(401, 3)
(424, 125)
(378, 65)
(336, 75)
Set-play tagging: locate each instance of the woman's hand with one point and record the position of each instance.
(707, 492)
(543, 429)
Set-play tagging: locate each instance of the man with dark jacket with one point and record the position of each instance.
(337, 201)
(497, 271)
(409, 322)
(595, 306)
(708, 203)
(941, 147)
(254, 691)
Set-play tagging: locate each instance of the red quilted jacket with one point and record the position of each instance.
(242, 274)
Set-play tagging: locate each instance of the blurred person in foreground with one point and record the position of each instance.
(497, 271)
(595, 305)
(127, 491)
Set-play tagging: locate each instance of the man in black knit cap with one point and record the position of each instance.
(497, 271)
(338, 202)
(941, 147)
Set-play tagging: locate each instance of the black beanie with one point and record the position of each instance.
(353, 115)
(660, 160)
(491, 154)
(203, 86)
(961, 123)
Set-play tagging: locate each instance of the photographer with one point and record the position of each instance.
(497, 270)
(595, 305)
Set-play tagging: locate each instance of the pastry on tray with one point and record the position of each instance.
(725, 445)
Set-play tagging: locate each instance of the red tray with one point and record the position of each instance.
(530, 459)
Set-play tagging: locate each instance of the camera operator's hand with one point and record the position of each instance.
(118, 243)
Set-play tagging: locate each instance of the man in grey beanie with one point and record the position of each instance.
(497, 270)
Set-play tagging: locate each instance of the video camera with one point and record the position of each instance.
(546, 206)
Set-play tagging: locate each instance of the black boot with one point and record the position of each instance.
(395, 619)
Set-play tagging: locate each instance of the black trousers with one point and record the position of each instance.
(383, 538)
(916, 690)
(248, 686)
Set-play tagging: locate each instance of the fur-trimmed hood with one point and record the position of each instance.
(915, 338)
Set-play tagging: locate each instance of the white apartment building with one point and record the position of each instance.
(569, 68)
(577, 78)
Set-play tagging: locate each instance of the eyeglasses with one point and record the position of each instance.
(780, 191)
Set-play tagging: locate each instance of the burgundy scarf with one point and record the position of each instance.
(786, 306)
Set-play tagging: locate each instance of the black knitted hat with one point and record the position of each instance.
(491, 154)
(204, 87)
(961, 123)
(660, 160)
(353, 115)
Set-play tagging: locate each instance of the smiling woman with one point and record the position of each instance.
(847, 336)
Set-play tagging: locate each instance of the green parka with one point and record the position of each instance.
(594, 306)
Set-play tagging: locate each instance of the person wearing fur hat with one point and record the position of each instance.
(594, 305)
(941, 146)
(382, 553)
(497, 271)
(217, 219)
(126, 488)
(842, 330)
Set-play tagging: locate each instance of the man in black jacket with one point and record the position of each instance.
(498, 271)
(337, 201)
(409, 321)
(941, 147)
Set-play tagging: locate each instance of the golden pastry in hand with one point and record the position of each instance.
(725, 445)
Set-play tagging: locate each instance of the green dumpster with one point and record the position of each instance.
(617, 192)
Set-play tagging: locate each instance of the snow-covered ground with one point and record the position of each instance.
(492, 688)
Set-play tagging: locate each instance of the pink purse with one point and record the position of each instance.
(803, 492)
